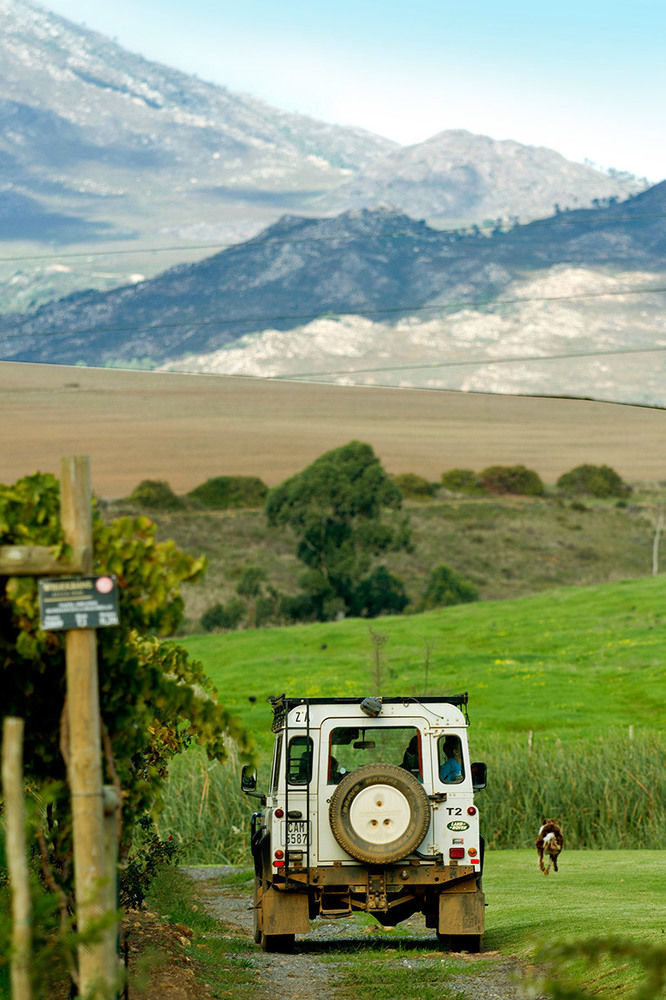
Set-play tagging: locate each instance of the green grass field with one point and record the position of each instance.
(595, 894)
(569, 663)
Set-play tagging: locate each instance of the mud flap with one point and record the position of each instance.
(461, 912)
(284, 912)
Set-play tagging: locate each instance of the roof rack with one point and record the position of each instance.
(282, 705)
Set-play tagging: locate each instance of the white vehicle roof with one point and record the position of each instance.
(441, 711)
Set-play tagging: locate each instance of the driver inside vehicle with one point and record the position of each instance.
(336, 773)
(450, 768)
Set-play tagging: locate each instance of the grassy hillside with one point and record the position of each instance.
(508, 547)
(568, 663)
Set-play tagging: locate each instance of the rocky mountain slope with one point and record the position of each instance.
(83, 120)
(102, 150)
(458, 177)
(385, 271)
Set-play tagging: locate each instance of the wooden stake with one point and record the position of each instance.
(12, 790)
(85, 761)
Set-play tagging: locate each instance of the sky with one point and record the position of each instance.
(585, 78)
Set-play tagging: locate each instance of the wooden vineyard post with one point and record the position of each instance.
(17, 863)
(96, 978)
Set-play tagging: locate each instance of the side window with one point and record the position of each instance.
(299, 760)
(277, 756)
(449, 752)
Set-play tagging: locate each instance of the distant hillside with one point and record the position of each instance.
(457, 177)
(98, 144)
(508, 547)
(376, 264)
(101, 148)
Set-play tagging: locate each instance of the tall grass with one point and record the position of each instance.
(205, 811)
(607, 794)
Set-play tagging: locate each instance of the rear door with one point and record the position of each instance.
(347, 744)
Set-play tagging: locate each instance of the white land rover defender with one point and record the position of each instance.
(370, 808)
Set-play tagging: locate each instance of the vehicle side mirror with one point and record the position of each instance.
(479, 774)
(248, 779)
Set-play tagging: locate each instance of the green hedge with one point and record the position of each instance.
(223, 492)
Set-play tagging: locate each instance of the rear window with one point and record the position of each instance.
(352, 746)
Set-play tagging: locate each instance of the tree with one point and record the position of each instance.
(344, 511)
(446, 587)
(250, 587)
(593, 480)
(511, 479)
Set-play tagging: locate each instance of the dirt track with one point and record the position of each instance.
(303, 973)
(187, 428)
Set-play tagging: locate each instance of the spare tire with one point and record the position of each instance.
(379, 813)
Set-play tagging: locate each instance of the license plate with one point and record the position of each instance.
(297, 833)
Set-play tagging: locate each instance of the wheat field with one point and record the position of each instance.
(184, 428)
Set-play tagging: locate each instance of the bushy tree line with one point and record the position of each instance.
(345, 514)
(599, 481)
(218, 493)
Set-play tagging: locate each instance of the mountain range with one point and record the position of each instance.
(103, 150)
(344, 255)
(378, 266)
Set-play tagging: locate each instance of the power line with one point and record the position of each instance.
(266, 321)
(471, 362)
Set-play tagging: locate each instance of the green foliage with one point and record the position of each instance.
(565, 959)
(415, 487)
(148, 855)
(446, 587)
(511, 479)
(154, 699)
(337, 507)
(204, 810)
(223, 616)
(156, 494)
(379, 593)
(462, 481)
(223, 492)
(608, 793)
(593, 480)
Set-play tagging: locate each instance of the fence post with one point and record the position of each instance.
(111, 811)
(85, 750)
(17, 864)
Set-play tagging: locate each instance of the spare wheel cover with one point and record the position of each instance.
(379, 813)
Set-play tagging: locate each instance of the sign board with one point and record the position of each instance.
(78, 602)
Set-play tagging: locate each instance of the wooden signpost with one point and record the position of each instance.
(98, 969)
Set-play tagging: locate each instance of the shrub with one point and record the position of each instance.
(380, 593)
(148, 854)
(415, 487)
(446, 587)
(461, 481)
(223, 616)
(594, 480)
(156, 494)
(223, 492)
(512, 479)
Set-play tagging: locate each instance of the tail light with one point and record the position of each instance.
(456, 853)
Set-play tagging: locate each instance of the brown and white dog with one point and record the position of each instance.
(549, 842)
